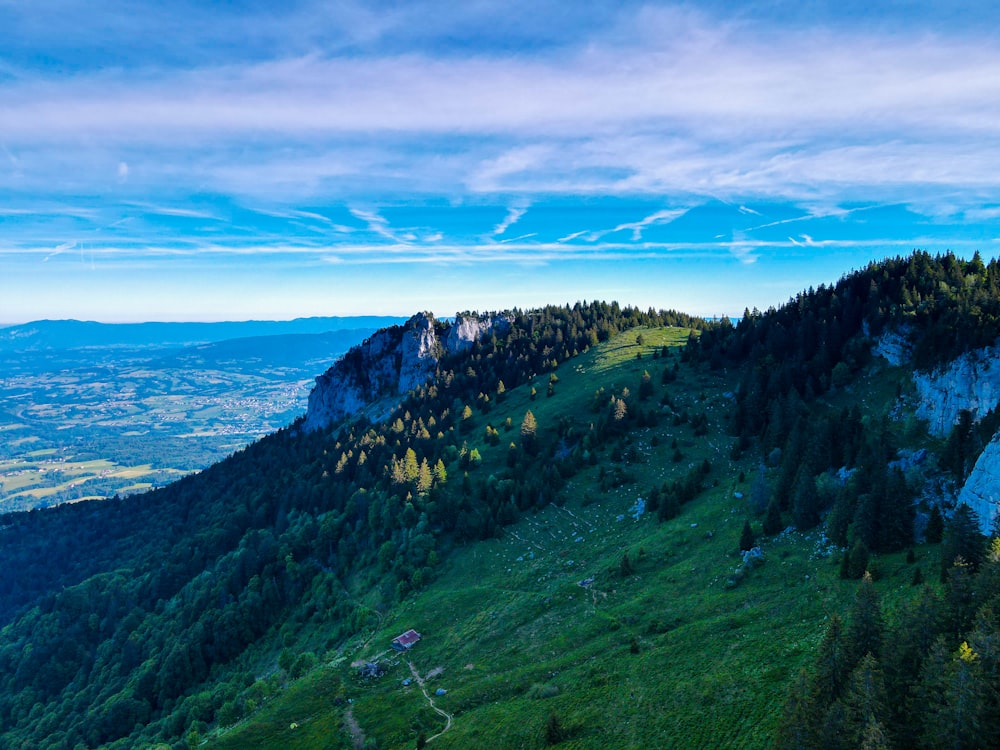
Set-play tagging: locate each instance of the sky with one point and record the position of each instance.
(257, 160)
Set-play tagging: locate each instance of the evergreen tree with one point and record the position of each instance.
(797, 725)
(832, 729)
(833, 663)
(953, 694)
(962, 539)
(857, 560)
(838, 520)
(805, 507)
(747, 539)
(424, 478)
(919, 625)
(866, 706)
(935, 526)
(645, 386)
(864, 631)
(625, 566)
(958, 450)
(896, 514)
(411, 469)
(529, 428)
(772, 521)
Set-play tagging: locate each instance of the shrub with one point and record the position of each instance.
(542, 690)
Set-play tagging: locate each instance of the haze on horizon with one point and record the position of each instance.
(194, 162)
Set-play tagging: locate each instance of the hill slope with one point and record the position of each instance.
(559, 510)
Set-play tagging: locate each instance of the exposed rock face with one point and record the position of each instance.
(893, 347)
(392, 362)
(971, 381)
(982, 489)
(467, 329)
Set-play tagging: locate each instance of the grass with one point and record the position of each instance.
(307, 716)
(666, 656)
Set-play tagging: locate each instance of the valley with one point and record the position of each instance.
(88, 418)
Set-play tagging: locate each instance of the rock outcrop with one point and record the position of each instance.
(893, 347)
(971, 381)
(393, 362)
(981, 491)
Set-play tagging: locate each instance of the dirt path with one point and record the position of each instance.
(448, 717)
(357, 735)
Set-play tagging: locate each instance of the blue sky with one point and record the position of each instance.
(206, 161)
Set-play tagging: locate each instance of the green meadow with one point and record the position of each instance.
(585, 624)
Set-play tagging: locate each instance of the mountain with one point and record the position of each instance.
(393, 362)
(610, 527)
(57, 335)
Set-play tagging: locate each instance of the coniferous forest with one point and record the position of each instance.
(170, 616)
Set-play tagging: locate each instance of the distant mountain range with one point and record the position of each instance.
(54, 335)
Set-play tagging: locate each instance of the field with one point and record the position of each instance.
(625, 631)
(94, 422)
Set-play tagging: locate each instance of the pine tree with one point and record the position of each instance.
(440, 473)
(954, 698)
(896, 514)
(866, 706)
(857, 565)
(645, 386)
(747, 539)
(529, 429)
(833, 663)
(424, 478)
(962, 539)
(864, 631)
(805, 507)
(799, 717)
(935, 526)
(411, 469)
(903, 654)
(772, 521)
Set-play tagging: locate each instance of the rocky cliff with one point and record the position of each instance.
(392, 362)
(982, 489)
(971, 381)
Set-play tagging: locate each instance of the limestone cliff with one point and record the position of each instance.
(982, 489)
(392, 362)
(971, 381)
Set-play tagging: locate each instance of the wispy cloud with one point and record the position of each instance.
(187, 213)
(699, 106)
(636, 228)
(513, 216)
(520, 238)
(59, 250)
(304, 142)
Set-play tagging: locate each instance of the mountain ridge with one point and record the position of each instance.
(71, 334)
(496, 510)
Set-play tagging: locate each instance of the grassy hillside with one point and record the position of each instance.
(497, 511)
(550, 620)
